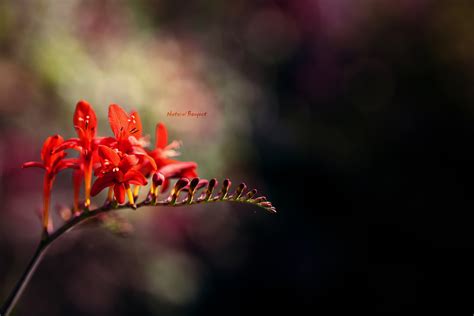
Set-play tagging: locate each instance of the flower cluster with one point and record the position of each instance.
(117, 162)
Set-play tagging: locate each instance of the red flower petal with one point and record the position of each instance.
(161, 135)
(109, 154)
(128, 162)
(179, 169)
(165, 185)
(85, 119)
(101, 183)
(49, 144)
(135, 177)
(118, 120)
(30, 164)
(135, 125)
(151, 161)
(108, 141)
(77, 178)
(67, 163)
(119, 192)
(68, 144)
(189, 173)
(139, 151)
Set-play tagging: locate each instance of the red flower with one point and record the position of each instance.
(117, 171)
(127, 129)
(85, 123)
(179, 169)
(52, 162)
(163, 151)
(162, 154)
(124, 125)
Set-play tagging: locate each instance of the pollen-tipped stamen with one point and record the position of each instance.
(152, 190)
(131, 200)
(136, 191)
(110, 194)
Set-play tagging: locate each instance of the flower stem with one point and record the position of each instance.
(48, 238)
(24, 279)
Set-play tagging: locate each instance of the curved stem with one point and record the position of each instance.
(24, 279)
(48, 239)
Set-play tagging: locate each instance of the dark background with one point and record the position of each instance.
(359, 130)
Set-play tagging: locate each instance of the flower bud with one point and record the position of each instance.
(225, 189)
(238, 192)
(250, 194)
(210, 188)
(180, 184)
(192, 189)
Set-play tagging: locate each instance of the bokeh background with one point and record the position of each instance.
(354, 117)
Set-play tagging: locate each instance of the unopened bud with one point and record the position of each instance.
(239, 191)
(250, 194)
(260, 199)
(210, 188)
(225, 188)
(158, 179)
(180, 184)
(192, 189)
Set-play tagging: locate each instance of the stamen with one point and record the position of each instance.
(136, 191)
(130, 196)
(110, 194)
(116, 169)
